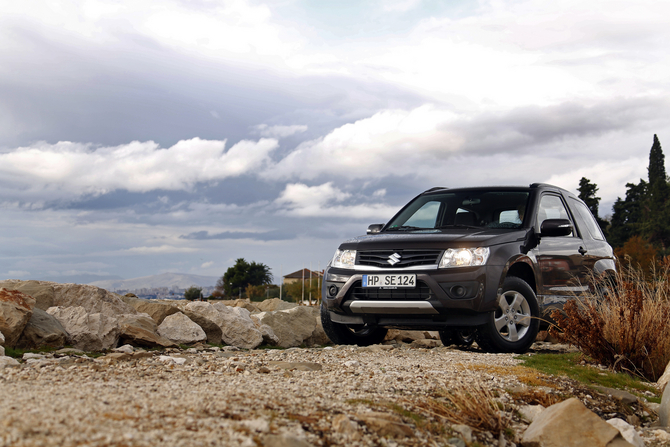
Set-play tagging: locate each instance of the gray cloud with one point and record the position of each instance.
(276, 235)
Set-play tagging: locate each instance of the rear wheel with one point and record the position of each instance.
(513, 326)
(461, 337)
(351, 334)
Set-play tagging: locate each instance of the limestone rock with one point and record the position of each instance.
(664, 410)
(530, 412)
(627, 431)
(292, 326)
(345, 426)
(157, 310)
(43, 329)
(274, 304)
(426, 343)
(180, 329)
(244, 303)
(208, 318)
(268, 334)
(41, 291)
(16, 308)
(91, 298)
(318, 337)
(7, 361)
(386, 424)
(407, 336)
(141, 330)
(2, 351)
(87, 331)
(237, 328)
(570, 423)
(663, 380)
(2, 339)
(621, 395)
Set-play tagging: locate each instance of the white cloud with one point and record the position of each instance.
(74, 168)
(17, 273)
(161, 249)
(279, 131)
(207, 264)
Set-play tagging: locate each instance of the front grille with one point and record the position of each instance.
(408, 258)
(420, 292)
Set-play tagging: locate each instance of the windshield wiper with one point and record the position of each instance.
(471, 227)
(405, 228)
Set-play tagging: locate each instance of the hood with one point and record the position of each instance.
(441, 239)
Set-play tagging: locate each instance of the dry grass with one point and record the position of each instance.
(525, 375)
(471, 404)
(627, 329)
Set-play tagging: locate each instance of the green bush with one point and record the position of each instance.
(193, 293)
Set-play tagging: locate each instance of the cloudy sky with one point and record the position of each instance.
(141, 137)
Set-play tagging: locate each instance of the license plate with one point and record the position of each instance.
(389, 281)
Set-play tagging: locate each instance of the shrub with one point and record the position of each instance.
(626, 327)
(193, 293)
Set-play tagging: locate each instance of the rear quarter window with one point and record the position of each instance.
(591, 225)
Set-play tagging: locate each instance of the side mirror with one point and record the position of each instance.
(375, 228)
(556, 227)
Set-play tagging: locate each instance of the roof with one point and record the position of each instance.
(299, 274)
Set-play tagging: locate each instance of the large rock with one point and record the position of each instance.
(570, 423)
(157, 310)
(208, 318)
(269, 337)
(2, 339)
(244, 302)
(292, 326)
(274, 304)
(16, 308)
(91, 298)
(664, 409)
(141, 330)
(237, 328)
(180, 329)
(663, 380)
(42, 291)
(87, 331)
(318, 337)
(42, 329)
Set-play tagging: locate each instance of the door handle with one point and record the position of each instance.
(582, 251)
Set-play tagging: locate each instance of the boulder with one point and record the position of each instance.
(571, 423)
(663, 380)
(157, 310)
(268, 334)
(141, 330)
(93, 299)
(664, 409)
(409, 336)
(318, 337)
(87, 331)
(208, 318)
(42, 329)
(180, 329)
(244, 303)
(237, 328)
(274, 304)
(7, 361)
(627, 431)
(16, 308)
(292, 326)
(42, 291)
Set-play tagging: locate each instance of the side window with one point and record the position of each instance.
(426, 216)
(591, 224)
(551, 207)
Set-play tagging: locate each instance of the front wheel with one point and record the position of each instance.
(513, 326)
(351, 334)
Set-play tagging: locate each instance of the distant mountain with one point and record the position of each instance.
(178, 280)
(84, 278)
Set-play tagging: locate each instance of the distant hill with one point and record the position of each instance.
(180, 280)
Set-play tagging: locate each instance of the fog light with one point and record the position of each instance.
(458, 291)
(332, 290)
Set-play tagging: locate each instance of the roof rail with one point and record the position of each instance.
(435, 188)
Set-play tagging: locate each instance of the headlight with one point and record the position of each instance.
(464, 257)
(344, 259)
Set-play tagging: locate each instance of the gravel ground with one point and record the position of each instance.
(216, 397)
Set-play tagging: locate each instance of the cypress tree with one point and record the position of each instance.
(587, 192)
(656, 226)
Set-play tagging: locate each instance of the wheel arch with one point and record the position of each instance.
(521, 269)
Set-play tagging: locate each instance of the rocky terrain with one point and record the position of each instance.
(159, 389)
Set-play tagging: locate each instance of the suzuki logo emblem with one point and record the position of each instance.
(394, 259)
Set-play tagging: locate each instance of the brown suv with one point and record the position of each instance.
(485, 263)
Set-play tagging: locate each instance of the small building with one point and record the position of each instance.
(302, 274)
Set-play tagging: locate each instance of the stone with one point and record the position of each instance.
(171, 359)
(268, 334)
(41, 291)
(126, 349)
(345, 426)
(42, 329)
(208, 318)
(292, 326)
(244, 303)
(405, 336)
(663, 380)
(426, 343)
(664, 409)
(237, 328)
(619, 395)
(180, 329)
(274, 304)
(627, 431)
(530, 412)
(87, 331)
(386, 424)
(464, 430)
(157, 310)
(16, 308)
(2, 339)
(92, 298)
(318, 337)
(284, 441)
(141, 330)
(2, 351)
(571, 423)
(8, 361)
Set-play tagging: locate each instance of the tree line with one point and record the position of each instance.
(639, 227)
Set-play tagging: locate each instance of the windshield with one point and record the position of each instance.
(463, 209)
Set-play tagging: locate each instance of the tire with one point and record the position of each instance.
(461, 337)
(351, 334)
(513, 326)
